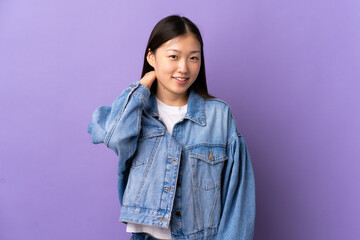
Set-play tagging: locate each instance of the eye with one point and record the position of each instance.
(195, 58)
(172, 56)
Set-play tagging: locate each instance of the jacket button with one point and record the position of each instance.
(211, 156)
(162, 219)
(178, 213)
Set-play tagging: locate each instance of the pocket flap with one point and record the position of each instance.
(209, 154)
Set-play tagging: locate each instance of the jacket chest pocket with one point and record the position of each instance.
(147, 143)
(207, 164)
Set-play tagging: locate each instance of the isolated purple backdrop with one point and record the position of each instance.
(288, 69)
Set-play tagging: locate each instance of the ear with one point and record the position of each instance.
(150, 58)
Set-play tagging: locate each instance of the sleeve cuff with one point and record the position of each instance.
(141, 91)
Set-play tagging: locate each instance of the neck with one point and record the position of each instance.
(172, 99)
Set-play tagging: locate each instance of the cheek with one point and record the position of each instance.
(195, 69)
(165, 66)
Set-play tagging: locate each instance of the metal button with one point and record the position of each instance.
(178, 213)
(211, 157)
(169, 189)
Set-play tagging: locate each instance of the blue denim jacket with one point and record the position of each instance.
(200, 180)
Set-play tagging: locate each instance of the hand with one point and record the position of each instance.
(148, 79)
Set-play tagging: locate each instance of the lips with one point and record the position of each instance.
(181, 78)
(181, 81)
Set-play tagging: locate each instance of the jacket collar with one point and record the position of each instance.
(195, 108)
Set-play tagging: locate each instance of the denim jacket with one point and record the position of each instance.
(200, 180)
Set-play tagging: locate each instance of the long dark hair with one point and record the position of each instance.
(166, 29)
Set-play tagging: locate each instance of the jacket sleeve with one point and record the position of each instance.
(118, 126)
(238, 193)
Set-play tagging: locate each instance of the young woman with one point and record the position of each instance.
(184, 170)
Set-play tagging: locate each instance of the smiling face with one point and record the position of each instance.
(177, 64)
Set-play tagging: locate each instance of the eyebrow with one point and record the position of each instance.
(180, 51)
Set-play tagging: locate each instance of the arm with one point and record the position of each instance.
(238, 193)
(118, 126)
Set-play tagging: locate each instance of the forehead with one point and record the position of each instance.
(187, 43)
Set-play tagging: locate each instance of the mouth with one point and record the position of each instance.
(180, 79)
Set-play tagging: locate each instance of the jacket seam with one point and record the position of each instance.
(218, 190)
(117, 120)
(232, 138)
(204, 144)
(119, 115)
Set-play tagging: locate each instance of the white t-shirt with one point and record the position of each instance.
(169, 115)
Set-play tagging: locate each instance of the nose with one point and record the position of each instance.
(182, 67)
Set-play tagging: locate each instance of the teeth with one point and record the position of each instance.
(180, 79)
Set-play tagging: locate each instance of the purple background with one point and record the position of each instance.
(290, 71)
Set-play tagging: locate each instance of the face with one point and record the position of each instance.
(177, 58)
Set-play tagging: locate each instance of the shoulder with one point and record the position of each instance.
(217, 104)
(219, 110)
